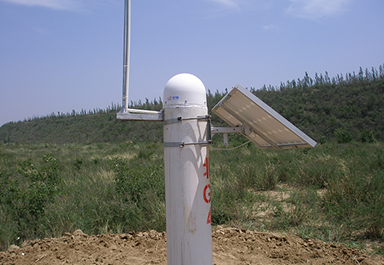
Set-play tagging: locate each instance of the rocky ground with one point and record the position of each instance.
(230, 246)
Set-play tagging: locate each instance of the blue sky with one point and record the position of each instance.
(64, 55)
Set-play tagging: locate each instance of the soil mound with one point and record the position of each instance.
(230, 246)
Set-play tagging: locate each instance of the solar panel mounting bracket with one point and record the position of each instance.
(266, 128)
(243, 129)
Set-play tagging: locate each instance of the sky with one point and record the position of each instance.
(64, 55)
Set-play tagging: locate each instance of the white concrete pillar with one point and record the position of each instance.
(186, 167)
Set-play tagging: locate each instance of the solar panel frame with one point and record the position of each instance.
(270, 130)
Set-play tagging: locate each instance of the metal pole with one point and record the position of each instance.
(126, 56)
(186, 167)
(225, 135)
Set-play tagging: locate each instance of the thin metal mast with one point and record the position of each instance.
(124, 114)
(127, 37)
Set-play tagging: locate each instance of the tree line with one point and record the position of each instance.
(342, 108)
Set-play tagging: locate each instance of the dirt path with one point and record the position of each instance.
(230, 246)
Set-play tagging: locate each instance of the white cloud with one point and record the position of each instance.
(269, 27)
(315, 9)
(230, 4)
(54, 4)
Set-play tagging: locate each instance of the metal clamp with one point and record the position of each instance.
(181, 119)
(172, 121)
(198, 118)
(182, 144)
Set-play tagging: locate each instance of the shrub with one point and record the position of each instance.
(224, 203)
(343, 136)
(269, 182)
(42, 184)
(370, 210)
(322, 139)
(357, 203)
(316, 171)
(368, 136)
(139, 183)
(136, 176)
(26, 196)
(305, 203)
(78, 163)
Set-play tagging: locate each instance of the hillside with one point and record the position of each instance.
(343, 108)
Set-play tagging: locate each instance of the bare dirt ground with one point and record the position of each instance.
(230, 246)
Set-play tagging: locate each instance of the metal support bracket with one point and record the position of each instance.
(244, 129)
(141, 115)
(182, 144)
(206, 118)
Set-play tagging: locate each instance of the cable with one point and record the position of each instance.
(228, 149)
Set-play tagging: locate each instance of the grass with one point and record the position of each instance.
(333, 192)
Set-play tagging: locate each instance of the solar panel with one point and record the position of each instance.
(268, 129)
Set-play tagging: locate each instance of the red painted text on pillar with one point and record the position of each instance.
(209, 218)
(207, 193)
(207, 190)
(206, 165)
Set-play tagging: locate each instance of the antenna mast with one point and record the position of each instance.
(127, 37)
(125, 112)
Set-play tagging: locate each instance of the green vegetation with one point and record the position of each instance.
(88, 171)
(343, 108)
(333, 192)
(98, 188)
